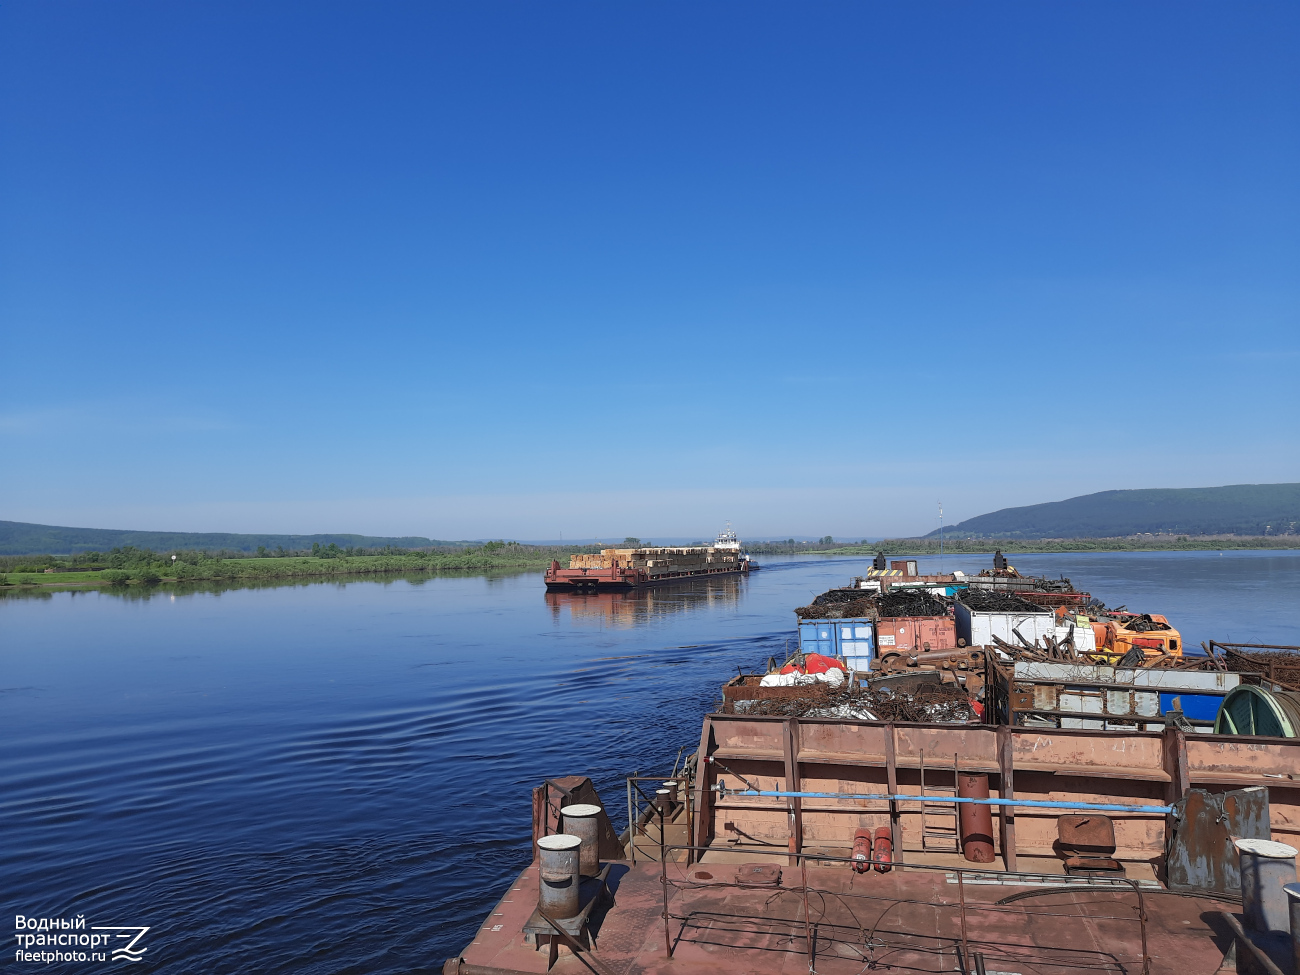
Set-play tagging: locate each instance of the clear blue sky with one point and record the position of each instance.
(517, 269)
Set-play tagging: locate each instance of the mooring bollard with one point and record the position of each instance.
(583, 821)
(1293, 899)
(558, 891)
(1266, 868)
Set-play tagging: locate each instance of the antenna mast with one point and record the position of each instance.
(940, 538)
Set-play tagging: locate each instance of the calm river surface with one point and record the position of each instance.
(335, 777)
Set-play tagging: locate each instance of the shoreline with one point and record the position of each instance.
(357, 568)
(266, 570)
(964, 546)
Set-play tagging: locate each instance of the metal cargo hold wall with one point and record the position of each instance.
(853, 639)
(978, 627)
(914, 632)
(1070, 695)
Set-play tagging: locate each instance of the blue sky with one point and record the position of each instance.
(510, 269)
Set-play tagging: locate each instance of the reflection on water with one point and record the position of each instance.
(635, 606)
(171, 590)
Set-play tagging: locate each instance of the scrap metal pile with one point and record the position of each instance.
(1143, 623)
(860, 604)
(1063, 651)
(910, 602)
(840, 604)
(927, 701)
(997, 601)
(1279, 664)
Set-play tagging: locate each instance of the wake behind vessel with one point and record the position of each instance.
(631, 568)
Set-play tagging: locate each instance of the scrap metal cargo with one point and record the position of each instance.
(632, 568)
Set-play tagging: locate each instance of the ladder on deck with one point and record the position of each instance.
(940, 832)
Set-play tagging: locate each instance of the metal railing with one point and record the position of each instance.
(641, 817)
(969, 962)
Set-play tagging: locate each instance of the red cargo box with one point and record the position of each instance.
(913, 632)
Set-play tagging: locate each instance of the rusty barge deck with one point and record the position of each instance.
(727, 882)
(737, 911)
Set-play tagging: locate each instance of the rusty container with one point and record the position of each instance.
(558, 891)
(976, 820)
(914, 632)
(583, 821)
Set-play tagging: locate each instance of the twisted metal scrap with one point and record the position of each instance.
(997, 601)
(929, 702)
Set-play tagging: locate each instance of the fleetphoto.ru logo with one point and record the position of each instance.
(52, 939)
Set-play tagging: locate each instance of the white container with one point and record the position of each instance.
(1085, 641)
(978, 628)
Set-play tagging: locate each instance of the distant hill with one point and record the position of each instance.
(1239, 509)
(20, 538)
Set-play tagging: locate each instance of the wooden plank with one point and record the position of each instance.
(730, 753)
(703, 794)
(810, 756)
(1126, 772)
(1175, 762)
(790, 735)
(891, 772)
(1007, 790)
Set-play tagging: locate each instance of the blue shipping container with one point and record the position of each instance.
(1202, 706)
(852, 639)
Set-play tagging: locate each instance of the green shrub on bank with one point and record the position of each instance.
(116, 577)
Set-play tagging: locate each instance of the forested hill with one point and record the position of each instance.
(20, 538)
(1239, 509)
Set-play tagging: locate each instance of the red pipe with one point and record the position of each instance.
(976, 820)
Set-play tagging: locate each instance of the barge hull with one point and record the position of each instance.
(622, 580)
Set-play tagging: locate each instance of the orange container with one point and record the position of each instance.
(913, 632)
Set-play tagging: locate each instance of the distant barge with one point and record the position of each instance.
(617, 569)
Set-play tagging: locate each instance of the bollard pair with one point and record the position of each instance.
(568, 857)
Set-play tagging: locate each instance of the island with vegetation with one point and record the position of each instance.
(128, 565)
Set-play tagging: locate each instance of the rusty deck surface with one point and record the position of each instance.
(908, 921)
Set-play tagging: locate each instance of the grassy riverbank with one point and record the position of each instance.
(135, 567)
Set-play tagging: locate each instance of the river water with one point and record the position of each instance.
(336, 777)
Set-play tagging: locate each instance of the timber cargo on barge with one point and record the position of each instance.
(617, 569)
